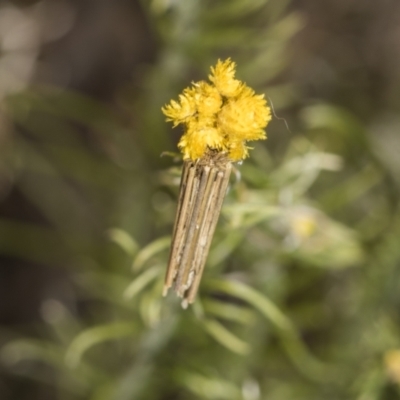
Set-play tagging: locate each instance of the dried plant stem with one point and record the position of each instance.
(203, 187)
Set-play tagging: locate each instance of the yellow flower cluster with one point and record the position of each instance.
(221, 116)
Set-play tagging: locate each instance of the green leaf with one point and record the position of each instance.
(257, 300)
(225, 337)
(124, 240)
(149, 251)
(97, 335)
(229, 312)
(140, 282)
(210, 388)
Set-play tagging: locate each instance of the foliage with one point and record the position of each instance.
(301, 292)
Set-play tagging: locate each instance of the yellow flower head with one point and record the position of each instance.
(220, 116)
(223, 77)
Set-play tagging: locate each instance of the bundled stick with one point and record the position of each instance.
(202, 191)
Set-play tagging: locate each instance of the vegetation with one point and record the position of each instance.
(301, 292)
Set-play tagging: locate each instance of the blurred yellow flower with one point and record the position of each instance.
(220, 116)
(304, 226)
(391, 361)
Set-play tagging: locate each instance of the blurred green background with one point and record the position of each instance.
(301, 295)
